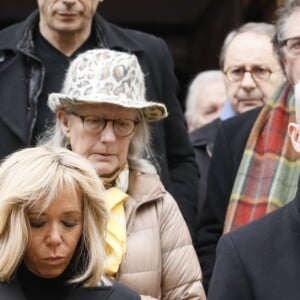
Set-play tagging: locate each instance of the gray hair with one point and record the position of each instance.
(255, 27)
(282, 14)
(201, 79)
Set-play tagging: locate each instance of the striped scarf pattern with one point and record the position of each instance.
(267, 177)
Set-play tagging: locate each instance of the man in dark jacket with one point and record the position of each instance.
(34, 56)
(261, 260)
(242, 54)
(273, 166)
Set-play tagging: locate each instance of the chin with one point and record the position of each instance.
(104, 172)
(249, 107)
(103, 169)
(246, 108)
(50, 273)
(67, 27)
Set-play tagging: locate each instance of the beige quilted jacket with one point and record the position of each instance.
(160, 262)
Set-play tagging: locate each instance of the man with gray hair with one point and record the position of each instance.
(205, 98)
(254, 170)
(251, 67)
(261, 260)
(252, 73)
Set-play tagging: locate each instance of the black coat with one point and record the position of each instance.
(13, 291)
(260, 260)
(202, 140)
(21, 80)
(230, 142)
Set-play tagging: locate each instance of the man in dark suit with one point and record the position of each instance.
(261, 260)
(34, 56)
(246, 50)
(264, 130)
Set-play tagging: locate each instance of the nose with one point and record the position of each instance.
(248, 81)
(69, 2)
(108, 134)
(54, 236)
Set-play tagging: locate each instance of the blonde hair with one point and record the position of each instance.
(36, 175)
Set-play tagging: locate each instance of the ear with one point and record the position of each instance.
(294, 133)
(64, 122)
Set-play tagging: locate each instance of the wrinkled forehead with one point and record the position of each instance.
(250, 48)
(292, 25)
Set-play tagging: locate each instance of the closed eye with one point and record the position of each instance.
(37, 223)
(70, 223)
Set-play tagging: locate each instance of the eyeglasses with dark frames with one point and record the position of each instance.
(258, 73)
(95, 124)
(292, 45)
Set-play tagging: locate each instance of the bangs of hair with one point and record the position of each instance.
(49, 187)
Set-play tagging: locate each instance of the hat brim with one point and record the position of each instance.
(153, 111)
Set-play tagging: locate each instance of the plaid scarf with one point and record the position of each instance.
(267, 177)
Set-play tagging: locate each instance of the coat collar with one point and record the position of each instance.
(205, 135)
(143, 188)
(115, 37)
(19, 36)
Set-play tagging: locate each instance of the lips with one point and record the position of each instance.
(54, 260)
(251, 101)
(101, 155)
(68, 15)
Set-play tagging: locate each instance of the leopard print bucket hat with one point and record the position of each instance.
(106, 76)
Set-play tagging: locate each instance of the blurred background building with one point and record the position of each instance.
(193, 29)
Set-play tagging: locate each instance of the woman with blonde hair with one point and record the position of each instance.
(53, 217)
(102, 114)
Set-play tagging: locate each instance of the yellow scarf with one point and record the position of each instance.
(116, 231)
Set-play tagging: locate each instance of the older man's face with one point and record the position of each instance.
(291, 59)
(68, 16)
(252, 70)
